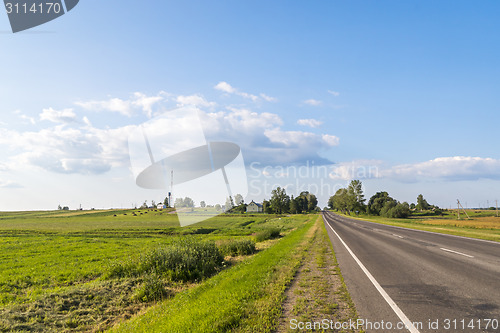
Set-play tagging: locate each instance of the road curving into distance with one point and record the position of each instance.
(432, 282)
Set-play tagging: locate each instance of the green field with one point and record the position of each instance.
(59, 267)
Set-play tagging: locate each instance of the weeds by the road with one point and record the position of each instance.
(318, 291)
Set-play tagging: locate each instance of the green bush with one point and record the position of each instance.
(184, 260)
(393, 209)
(266, 234)
(237, 247)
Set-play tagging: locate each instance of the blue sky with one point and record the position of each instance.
(407, 90)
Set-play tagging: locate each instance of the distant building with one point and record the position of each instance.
(254, 207)
(161, 206)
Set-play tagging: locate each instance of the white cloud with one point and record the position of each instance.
(262, 139)
(113, 104)
(86, 121)
(358, 169)
(64, 116)
(446, 168)
(9, 184)
(454, 168)
(81, 148)
(195, 100)
(331, 140)
(334, 93)
(127, 107)
(309, 122)
(23, 117)
(146, 103)
(313, 102)
(227, 88)
(268, 98)
(30, 119)
(85, 150)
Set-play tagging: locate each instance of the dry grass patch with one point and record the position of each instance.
(317, 291)
(490, 222)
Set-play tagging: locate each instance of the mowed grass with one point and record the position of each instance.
(246, 298)
(55, 260)
(483, 223)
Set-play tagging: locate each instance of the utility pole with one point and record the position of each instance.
(459, 205)
(458, 209)
(496, 204)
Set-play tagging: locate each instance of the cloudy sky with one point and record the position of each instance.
(403, 95)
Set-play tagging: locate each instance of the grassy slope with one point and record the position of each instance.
(61, 254)
(246, 298)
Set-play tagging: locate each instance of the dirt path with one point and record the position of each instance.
(317, 300)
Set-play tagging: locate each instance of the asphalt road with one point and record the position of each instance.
(440, 283)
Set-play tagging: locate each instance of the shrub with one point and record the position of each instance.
(185, 260)
(237, 247)
(395, 210)
(266, 234)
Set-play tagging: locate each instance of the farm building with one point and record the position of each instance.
(254, 207)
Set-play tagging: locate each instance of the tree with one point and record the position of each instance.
(179, 202)
(301, 203)
(165, 202)
(356, 198)
(378, 201)
(229, 203)
(266, 207)
(312, 203)
(238, 199)
(339, 200)
(153, 203)
(280, 201)
(293, 206)
(422, 204)
(394, 209)
(218, 207)
(203, 204)
(188, 202)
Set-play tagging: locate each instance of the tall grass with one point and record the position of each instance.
(184, 260)
(246, 298)
(237, 247)
(266, 234)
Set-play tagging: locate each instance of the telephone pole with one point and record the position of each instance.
(460, 205)
(496, 204)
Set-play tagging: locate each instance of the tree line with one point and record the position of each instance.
(282, 203)
(351, 199)
(279, 203)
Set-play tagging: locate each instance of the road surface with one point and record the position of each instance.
(439, 283)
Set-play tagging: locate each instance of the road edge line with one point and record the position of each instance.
(426, 231)
(409, 325)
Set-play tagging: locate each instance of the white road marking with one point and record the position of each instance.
(397, 236)
(381, 290)
(435, 233)
(462, 254)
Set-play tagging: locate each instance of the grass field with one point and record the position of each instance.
(57, 266)
(483, 224)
